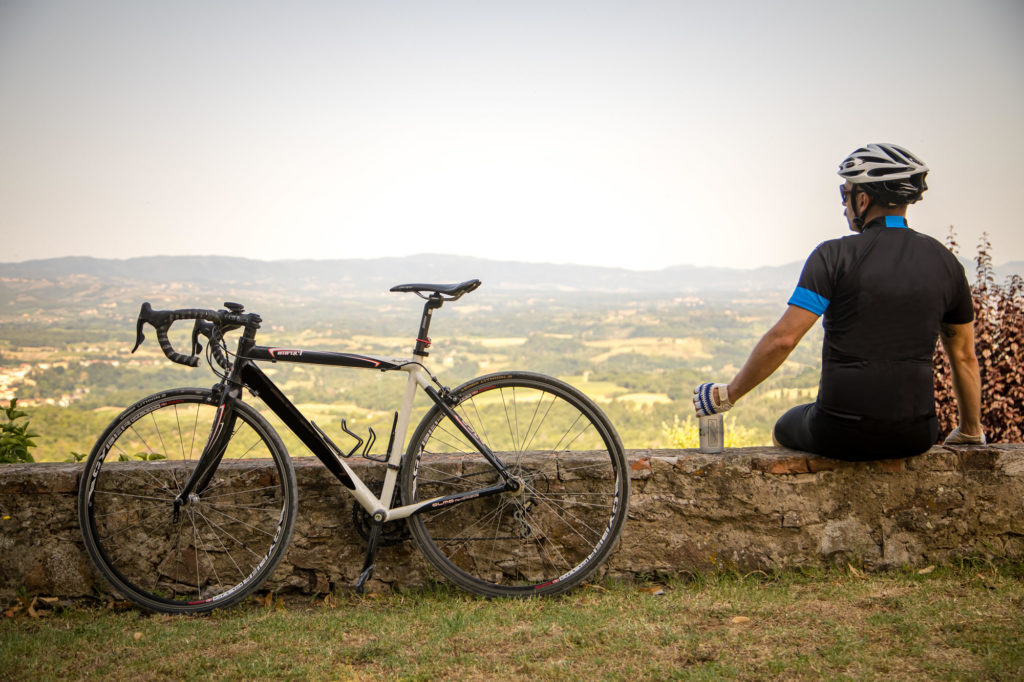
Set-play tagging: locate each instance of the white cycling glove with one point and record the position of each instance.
(704, 399)
(958, 437)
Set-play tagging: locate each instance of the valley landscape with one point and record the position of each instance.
(636, 342)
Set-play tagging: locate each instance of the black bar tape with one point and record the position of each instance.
(218, 354)
(168, 349)
(162, 320)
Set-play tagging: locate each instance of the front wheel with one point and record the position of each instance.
(568, 514)
(217, 547)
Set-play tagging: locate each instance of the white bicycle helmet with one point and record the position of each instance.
(887, 171)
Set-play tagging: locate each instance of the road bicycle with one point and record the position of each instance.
(513, 484)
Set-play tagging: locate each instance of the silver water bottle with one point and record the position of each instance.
(712, 433)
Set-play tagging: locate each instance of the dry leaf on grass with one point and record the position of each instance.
(988, 583)
(656, 590)
(738, 620)
(40, 607)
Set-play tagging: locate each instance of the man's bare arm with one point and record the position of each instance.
(958, 342)
(772, 350)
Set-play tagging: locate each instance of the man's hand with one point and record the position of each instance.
(958, 437)
(711, 399)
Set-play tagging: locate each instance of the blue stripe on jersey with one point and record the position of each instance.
(895, 221)
(808, 300)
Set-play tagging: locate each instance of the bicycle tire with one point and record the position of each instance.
(569, 518)
(224, 543)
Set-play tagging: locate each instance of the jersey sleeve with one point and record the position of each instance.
(814, 290)
(961, 309)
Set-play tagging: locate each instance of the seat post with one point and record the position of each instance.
(422, 338)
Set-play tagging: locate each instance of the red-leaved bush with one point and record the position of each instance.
(999, 340)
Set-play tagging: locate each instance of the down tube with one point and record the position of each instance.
(279, 404)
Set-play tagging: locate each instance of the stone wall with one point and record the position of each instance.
(748, 509)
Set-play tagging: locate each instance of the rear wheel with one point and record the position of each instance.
(569, 512)
(224, 542)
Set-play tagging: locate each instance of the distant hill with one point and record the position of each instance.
(376, 276)
(1003, 271)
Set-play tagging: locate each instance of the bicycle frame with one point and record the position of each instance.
(245, 373)
(189, 548)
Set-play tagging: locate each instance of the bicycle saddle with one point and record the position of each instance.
(452, 291)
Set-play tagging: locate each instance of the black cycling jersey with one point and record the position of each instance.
(884, 294)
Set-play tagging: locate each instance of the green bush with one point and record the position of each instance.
(15, 439)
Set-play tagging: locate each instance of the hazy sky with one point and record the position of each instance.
(635, 133)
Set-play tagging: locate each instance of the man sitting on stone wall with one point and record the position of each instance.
(886, 293)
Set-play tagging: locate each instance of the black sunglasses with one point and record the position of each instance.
(846, 192)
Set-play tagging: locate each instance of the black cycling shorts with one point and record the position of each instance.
(808, 428)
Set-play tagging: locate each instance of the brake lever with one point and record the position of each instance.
(203, 327)
(145, 313)
(161, 321)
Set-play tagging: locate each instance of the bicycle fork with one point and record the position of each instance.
(216, 444)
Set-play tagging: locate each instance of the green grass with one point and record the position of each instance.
(956, 622)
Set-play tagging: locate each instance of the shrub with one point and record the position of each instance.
(15, 439)
(999, 340)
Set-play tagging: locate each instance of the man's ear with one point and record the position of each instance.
(863, 202)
